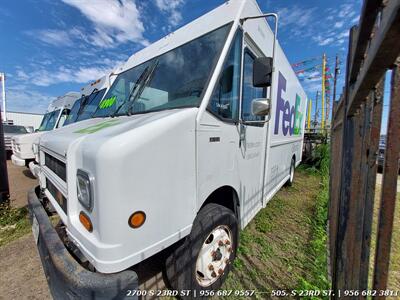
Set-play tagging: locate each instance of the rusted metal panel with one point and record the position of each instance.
(381, 53)
(369, 11)
(389, 186)
(336, 155)
(368, 190)
(339, 254)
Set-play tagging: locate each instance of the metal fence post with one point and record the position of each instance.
(4, 187)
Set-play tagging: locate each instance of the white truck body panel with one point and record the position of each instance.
(165, 163)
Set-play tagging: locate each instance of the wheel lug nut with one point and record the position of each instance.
(213, 274)
(227, 242)
(211, 267)
(220, 271)
(227, 261)
(213, 253)
(229, 249)
(220, 243)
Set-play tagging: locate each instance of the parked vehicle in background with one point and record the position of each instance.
(94, 92)
(196, 134)
(56, 115)
(11, 131)
(381, 154)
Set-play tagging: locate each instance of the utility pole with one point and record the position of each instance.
(309, 114)
(3, 88)
(323, 91)
(335, 77)
(316, 110)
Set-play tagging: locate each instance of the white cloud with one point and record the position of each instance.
(23, 98)
(346, 11)
(52, 37)
(323, 41)
(339, 24)
(83, 74)
(171, 7)
(115, 21)
(295, 16)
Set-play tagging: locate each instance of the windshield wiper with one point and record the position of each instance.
(142, 87)
(137, 83)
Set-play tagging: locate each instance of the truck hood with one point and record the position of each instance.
(29, 138)
(98, 129)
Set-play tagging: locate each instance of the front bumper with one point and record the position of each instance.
(34, 168)
(66, 278)
(17, 161)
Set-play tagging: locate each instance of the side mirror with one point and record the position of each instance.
(262, 71)
(260, 107)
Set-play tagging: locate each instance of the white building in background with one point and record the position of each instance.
(25, 119)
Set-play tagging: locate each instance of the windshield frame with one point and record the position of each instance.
(156, 57)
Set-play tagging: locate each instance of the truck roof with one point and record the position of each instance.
(65, 101)
(99, 84)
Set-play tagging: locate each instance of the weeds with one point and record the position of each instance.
(14, 223)
(316, 277)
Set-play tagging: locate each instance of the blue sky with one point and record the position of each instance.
(50, 47)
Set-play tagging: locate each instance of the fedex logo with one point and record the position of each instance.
(287, 117)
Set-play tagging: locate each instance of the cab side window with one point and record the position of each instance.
(249, 91)
(224, 101)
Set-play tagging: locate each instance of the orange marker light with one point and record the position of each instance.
(85, 221)
(137, 219)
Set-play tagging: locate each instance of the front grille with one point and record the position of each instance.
(57, 166)
(58, 196)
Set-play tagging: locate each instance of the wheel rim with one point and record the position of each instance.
(214, 256)
(291, 172)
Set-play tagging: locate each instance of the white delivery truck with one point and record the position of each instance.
(55, 116)
(196, 134)
(62, 111)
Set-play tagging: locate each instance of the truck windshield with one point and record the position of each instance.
(91, 105)
(14, 129)
(73, 114)
(49, 120)
(84, 107)
(177, 78)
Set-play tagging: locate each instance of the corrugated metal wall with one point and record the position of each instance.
(25, 119)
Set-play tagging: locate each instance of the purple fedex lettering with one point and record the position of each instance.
(291, 116)
(280, 105)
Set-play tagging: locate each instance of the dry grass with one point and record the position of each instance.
(274, 250)
(394, 267)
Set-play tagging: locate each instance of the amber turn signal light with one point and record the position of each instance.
(85, 220)
(137, 219)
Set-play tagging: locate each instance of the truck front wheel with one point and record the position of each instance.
(205, 258)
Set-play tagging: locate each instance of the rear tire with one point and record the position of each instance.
(291, 172)
(204, 260)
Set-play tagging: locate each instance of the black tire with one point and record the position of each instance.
(180, 266)
(291, 173)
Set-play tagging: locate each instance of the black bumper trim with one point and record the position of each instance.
(66, 278)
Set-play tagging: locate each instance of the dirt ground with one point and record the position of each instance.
(20, 180)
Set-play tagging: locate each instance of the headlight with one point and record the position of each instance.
(83, 186)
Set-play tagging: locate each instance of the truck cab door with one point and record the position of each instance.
(252, 140)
